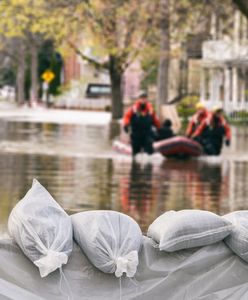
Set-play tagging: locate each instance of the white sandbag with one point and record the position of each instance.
(238, 239)
(110, 240)
(176, 230)
(42, 229)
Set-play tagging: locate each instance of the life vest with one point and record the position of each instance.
(209, 123)
(147, 115)
(196, 121)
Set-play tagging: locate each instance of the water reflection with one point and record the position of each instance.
(53, 139)
(197, 185)
(76, 164)
(138, 192)
(149, 190)
(77, 184)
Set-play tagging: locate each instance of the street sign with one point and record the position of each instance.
(48, 76)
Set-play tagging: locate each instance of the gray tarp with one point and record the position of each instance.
(207, 273)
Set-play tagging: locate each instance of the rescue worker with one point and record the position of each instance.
(196, 119)
(165, 131)
(141, 118)
(212, 131)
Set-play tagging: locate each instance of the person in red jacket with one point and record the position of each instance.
(196, 119)
(141, 119)
(212, 131)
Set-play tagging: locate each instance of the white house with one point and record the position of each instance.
(224, 74)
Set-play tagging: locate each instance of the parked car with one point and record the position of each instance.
(98, 90)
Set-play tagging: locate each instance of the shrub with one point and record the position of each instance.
(186, 107)
(238, 117)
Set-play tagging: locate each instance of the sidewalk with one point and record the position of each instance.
(6, 105)
(48, 115)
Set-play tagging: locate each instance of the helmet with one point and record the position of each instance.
(217, 108)
(142, 94)
(199, 105)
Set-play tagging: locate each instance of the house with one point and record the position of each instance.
(224, 68)
(85, 81)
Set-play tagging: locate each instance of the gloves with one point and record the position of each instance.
(126, 129)
(227, 142)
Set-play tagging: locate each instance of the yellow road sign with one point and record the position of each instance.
(48, 76)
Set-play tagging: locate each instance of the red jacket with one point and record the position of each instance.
(195, 121)
(137, 108)
(209, 122)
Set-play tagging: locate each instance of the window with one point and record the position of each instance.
(98, 90)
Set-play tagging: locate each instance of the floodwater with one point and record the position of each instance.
(78, 167)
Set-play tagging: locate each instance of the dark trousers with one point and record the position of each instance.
(141, 143)
(212, 140)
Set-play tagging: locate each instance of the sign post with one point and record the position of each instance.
(47, 77)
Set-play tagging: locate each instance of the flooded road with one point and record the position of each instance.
(78, 167)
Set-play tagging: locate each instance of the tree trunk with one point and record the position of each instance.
(116, 73)
(34, 73)
(183, 79)
(163, 70)
(21, 75)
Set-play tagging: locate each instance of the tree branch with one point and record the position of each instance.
(139, 46)
(90, 60)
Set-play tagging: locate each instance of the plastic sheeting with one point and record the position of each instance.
(208, 273)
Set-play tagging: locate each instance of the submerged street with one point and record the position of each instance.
(70, 153)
